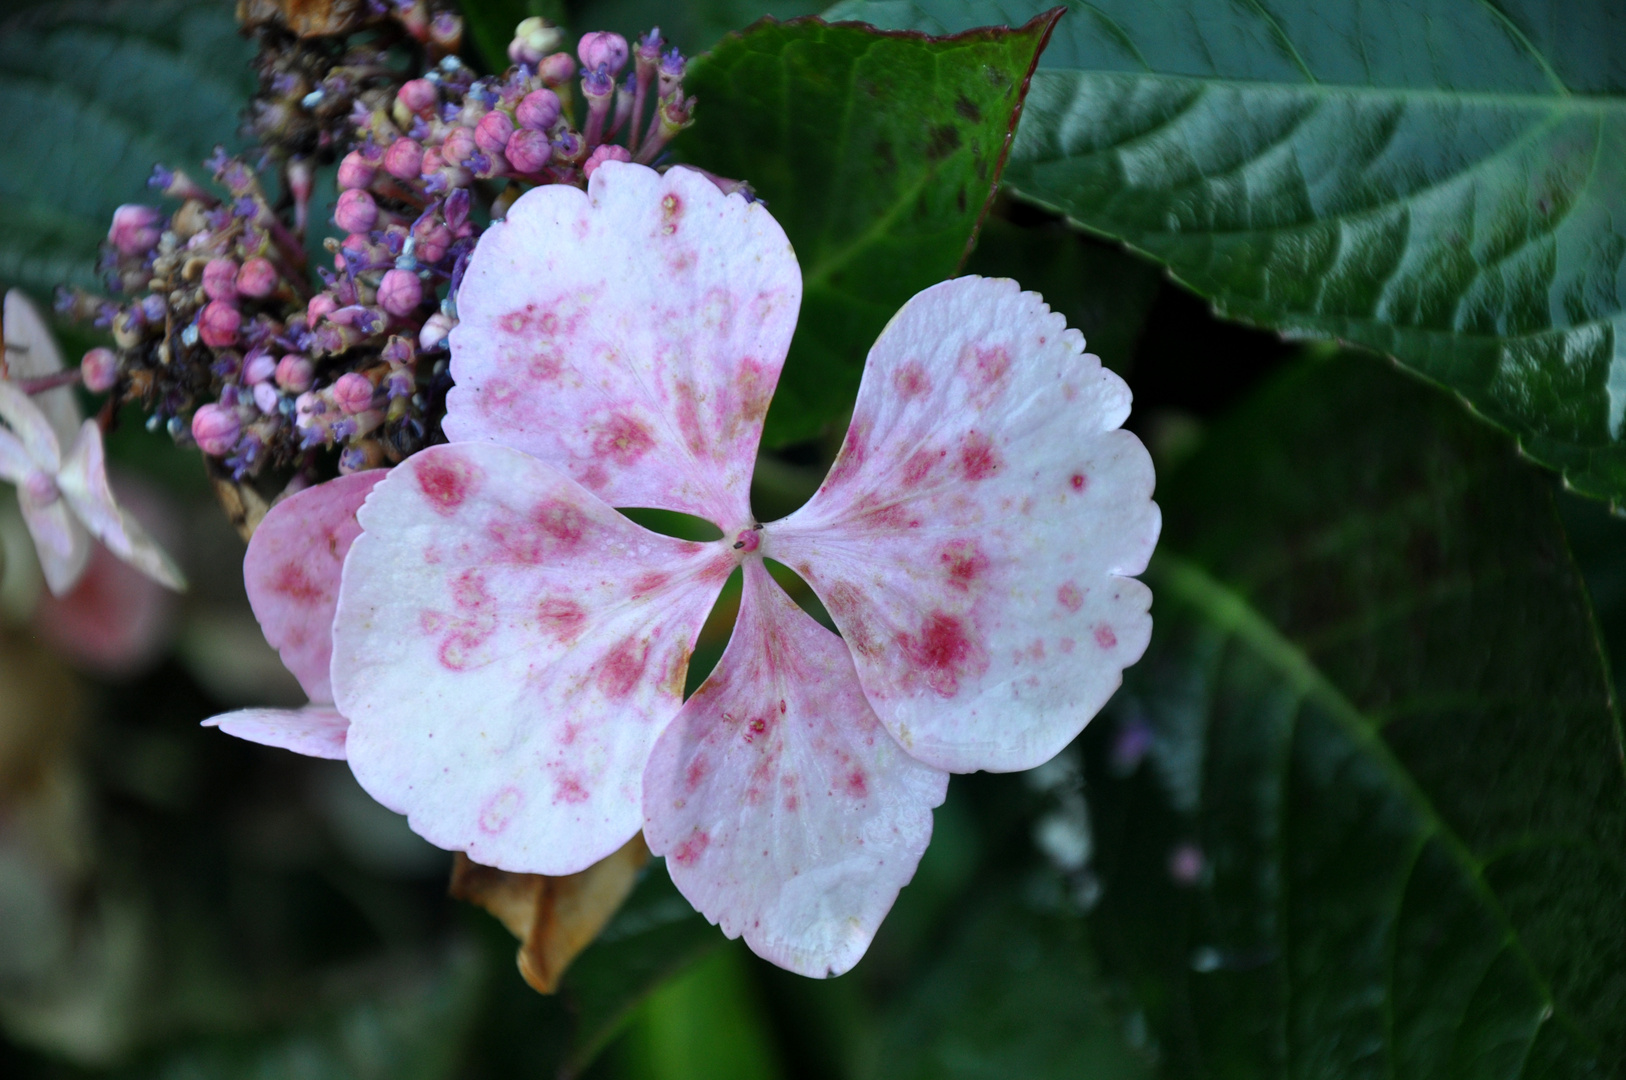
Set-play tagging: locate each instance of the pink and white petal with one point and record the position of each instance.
(84, 486)
(15, 462)
(631, 335)
(507, 648)
(32, 352)
(31, 427)
(315, 730)
(976, 537)
(291, 572)
(60, 541)
(785, 811)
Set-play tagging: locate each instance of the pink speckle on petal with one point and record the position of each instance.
(562, 618)
(1079, 481)
(499, 810)
(294, 583)
(920, 465)
(570, 789)
(1067, 644)
(963, 562)
(944, 652)
(978, 458)
(445, 481)
(1070, 596)
(688, 852)
(856, 784)
(1104, 637)
(623, 667)
(563, 522)
(622, 439)
(694, 775)
(911, 380)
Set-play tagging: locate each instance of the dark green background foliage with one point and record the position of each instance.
(1361, 810)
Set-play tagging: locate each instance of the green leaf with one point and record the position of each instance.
(654, 936)
(1015, 993)
(1442, 182)
(1381, 827)
(877, 153)
(99, 93)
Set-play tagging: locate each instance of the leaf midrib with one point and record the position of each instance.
(1606, 103)
(1230, 611)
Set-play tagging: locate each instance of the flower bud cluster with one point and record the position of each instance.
(234, 344)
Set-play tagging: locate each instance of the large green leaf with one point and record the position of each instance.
(1381, 828)
(877, 153)
(1015, 994)
(1441, 181)
(98, 94)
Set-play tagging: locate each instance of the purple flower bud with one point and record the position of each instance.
(220, 279)
(400, 292)
(266, 398)
(294, 373)
(568, 146)
(649, 46)
(459, 146)
(418, 96)
(435, 329)
(534, 38)
(603, 49)
(492, 133)
(218, 324)
(259, 368)
(355, 171)
(215, 428)
(257, 278)
(99, 369)
(556, 70)
(353, 393)
(456, 210)
(597, 84)
(431, 242)
(320, 307)
(135, 229)
(538, 110)
(152, 308)
(404, 159)
(672, 68)
(607, 152)
(528, 150)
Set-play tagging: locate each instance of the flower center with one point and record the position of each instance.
(748, 540)
(40, 488)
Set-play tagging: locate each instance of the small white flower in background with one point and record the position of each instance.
(65, 498)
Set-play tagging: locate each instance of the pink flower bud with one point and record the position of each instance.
(435, 329)
(218, 324)
(404, 159)
(492, 132)
(260, 367)
(431, 242)
(353, 392)
(603, 48)
(534, 38)
(320, 307)
(459, 146)
(432, 162)
(257, 278)
(294, 373)
(99, 369)
(601, 154)
(265, 398)
(538, 110)
(215, 428)
(355, 212)
(528, 150)
(135, 228)
(356, 171)
(220, 279)
(419, 96)
(400, 292)
(556, 70)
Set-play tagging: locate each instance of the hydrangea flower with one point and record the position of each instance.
(510, 651)
(65, 497)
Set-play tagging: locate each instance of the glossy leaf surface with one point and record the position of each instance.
(1440, 181)
(1379, 830)
(877, 154)
(102, 93)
